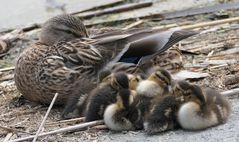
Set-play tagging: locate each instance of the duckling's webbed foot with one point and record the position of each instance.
(162, 116)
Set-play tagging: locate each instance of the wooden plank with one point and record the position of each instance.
(157, 10)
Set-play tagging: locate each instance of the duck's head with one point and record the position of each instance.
(62, 27)
(134, 80)
(189, 92)
(162, 77)
(124, 99)
(119, 80)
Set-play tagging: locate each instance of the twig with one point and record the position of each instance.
(4, 46)
(211, 23)
(7, 69)
(133, 24)
(232, 92)
(220, 62)
(66, 129)
(45, 117)
(121, 8)
(7, 138)
(13, 130)
(7, 77)
(81, 119)
(209, 55)
(100, 127)
(165, 26)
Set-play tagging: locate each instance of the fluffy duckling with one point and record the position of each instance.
(134, 80)
(157, 84)
(76, 105)
(104, 95)
(117, 115)
(162, 115)
(203, 108)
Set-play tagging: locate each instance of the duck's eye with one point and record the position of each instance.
(69, 32)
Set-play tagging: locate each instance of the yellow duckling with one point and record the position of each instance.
(134, 80)
(157, 84)
(117, 116)
(203, 108)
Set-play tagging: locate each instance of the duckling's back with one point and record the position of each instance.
(218, 103)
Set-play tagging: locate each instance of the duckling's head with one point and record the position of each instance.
(198, 93)
(124, 99)
(62, 27)
(161, 77)
(104, 76)
(119, 80)
(182, 88)
(134, 80)
(189, 92)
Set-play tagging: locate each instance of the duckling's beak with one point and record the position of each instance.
(120, 103)
(170, 89)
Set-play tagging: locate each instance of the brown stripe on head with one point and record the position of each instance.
(164, 75)
(120, 80)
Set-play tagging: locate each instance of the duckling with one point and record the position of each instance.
(76, 105)
(163, 111)
(203, 108)
(162, 115)
(105, 95)
(170, 60)
(134, 80)
(67, 61)
(157, 84)
(116, 115)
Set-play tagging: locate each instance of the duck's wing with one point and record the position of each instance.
(74, 62)
(155, 44)
(144, 44)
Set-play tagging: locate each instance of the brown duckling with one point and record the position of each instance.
(76, 105)
(203, 108)
(67, 61)
(104, 95)
(117, 115)
(162, 115)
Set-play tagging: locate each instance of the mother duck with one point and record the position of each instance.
(67, 61)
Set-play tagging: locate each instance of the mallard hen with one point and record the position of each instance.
(67, 61)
